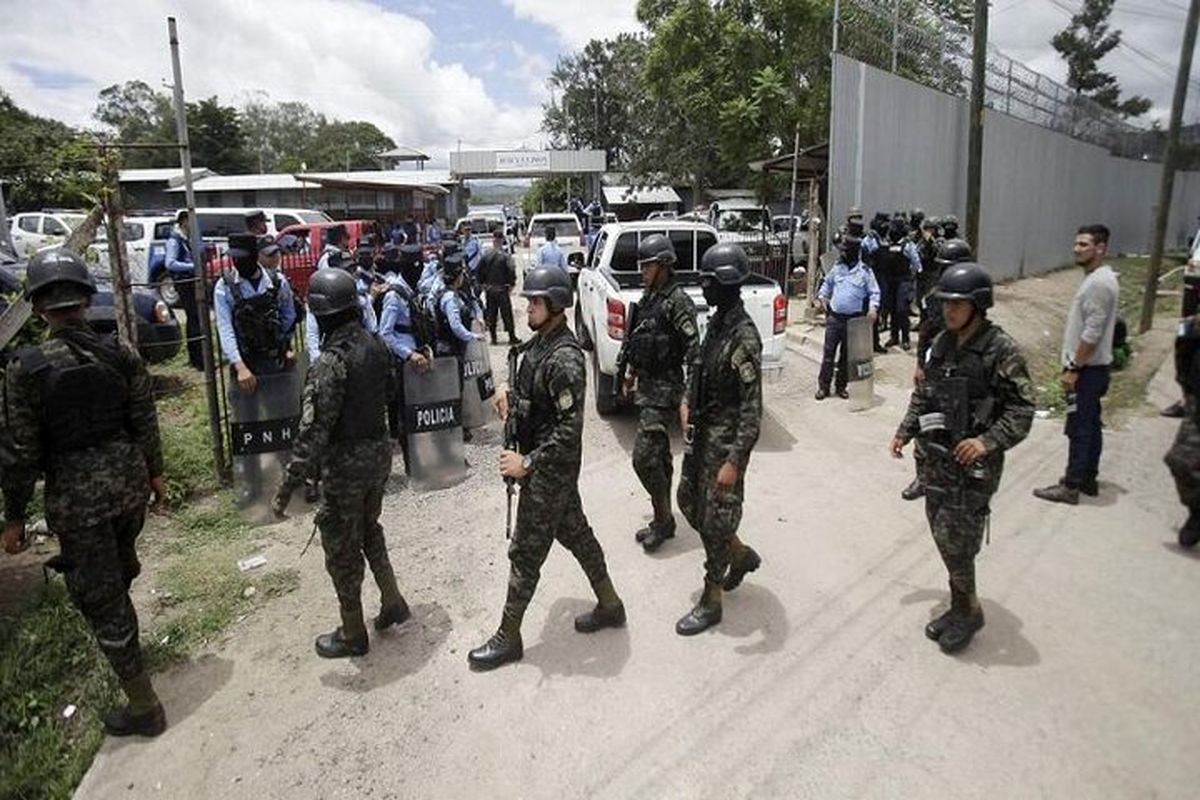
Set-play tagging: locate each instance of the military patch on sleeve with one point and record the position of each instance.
(743, 362)
(688, 328)
(566, 400)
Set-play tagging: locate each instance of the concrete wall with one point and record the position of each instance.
(898, 145)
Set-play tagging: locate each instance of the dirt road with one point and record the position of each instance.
(819, 683)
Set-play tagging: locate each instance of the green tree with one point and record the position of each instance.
(545, 194)
(216, 137)
(1085, 41)
(43, 161)
(279, 135)
(338, 145)
(135, 113)
(598, 102)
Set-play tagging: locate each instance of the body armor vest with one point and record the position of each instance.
(654, 348)
(256, 324)
(83, 405)
(535, 407)
(364, 408)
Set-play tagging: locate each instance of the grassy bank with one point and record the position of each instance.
(1128, 389)
(48, 657)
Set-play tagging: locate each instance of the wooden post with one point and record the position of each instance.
(975, 124)
(118, 259)
(1167, 186)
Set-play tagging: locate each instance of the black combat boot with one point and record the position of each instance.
(143, 716)
(914, 490)
(937, 626)
(505, 645)
(393, 610)
(1189, 534)
(745, 560)
(961, 628)
(608, 613)
(350, 639)
(643, 533)
(659, 533)
(706, 613)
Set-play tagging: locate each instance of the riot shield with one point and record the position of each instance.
(262, 426)
(860, 363)
(433, 424)
(478, 386)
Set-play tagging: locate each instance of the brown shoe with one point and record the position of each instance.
(1058, 493)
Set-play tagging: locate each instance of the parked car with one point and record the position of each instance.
(158, 332)
(483, 226)
(566, 232)
(610, 286)
(300, 257)
(138, 233)
(33, 230)
(797, 226)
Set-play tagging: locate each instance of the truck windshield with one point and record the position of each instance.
(740, 220)
(690, 246)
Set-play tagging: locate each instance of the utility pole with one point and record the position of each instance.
(975, 124)
(1170, 157)
(198, 271)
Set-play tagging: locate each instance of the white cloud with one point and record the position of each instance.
(578, 21)
(349, 59)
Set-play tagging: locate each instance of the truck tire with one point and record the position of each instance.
(167, 291)
(581, 332)
(606, 399)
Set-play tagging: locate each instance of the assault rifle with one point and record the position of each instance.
(510, 439)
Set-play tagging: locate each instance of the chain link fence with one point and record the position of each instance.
(906, 38)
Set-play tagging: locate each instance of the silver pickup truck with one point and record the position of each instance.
(610, 284)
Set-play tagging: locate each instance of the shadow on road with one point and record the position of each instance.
(395, 653)
(562, 651)
(187, 687)
(1172, 545)
(753, 611)
(1000, 643)
(774, 437)
(1109, 492)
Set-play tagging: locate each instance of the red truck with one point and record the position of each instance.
(300, 259)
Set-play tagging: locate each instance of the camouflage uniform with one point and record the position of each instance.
(663, 344)
(97, 485)
(725, 402)
(1183, 459)
(343, 442)
(548, 398)
(1000, 405)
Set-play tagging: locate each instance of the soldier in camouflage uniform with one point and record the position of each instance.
(975, 403)
(544, 411)
(723, 417)
(343, 441)
(79, 411)
(1183, 459)
(663, 343)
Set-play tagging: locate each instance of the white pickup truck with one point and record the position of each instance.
(610, 284)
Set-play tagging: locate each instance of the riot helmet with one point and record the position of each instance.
(58, 279)
(952, 251)
(332, 291)
(897, 229)
(725, 263)
(452, 267)
(551, 233)
(966, 281)
(552, 283)
(657, 248)
(916, 217)
(950, 226)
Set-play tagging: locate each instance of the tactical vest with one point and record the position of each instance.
(1187, 358)
(968, 363)
(83, 405)
(364, 405)
(257, 325)
(893, 262)
(535, 408)
(444, 333)
(719, 386)
(653, 347)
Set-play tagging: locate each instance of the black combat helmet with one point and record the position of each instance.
(656, 247)
(952, 251)
(332, 291)
(62, 271)
(551, 283)
(727, 263)
(452, 265)
(966, 281)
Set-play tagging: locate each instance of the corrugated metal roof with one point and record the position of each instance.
(379, 179)
(651, 195)
(246, 183)
(403, 153)
(160, 174)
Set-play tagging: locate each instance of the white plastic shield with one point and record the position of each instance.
(262, 426)
(478, 386)
(860, 363)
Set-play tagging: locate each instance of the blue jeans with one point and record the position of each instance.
(1083, 427)
(835, 351)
